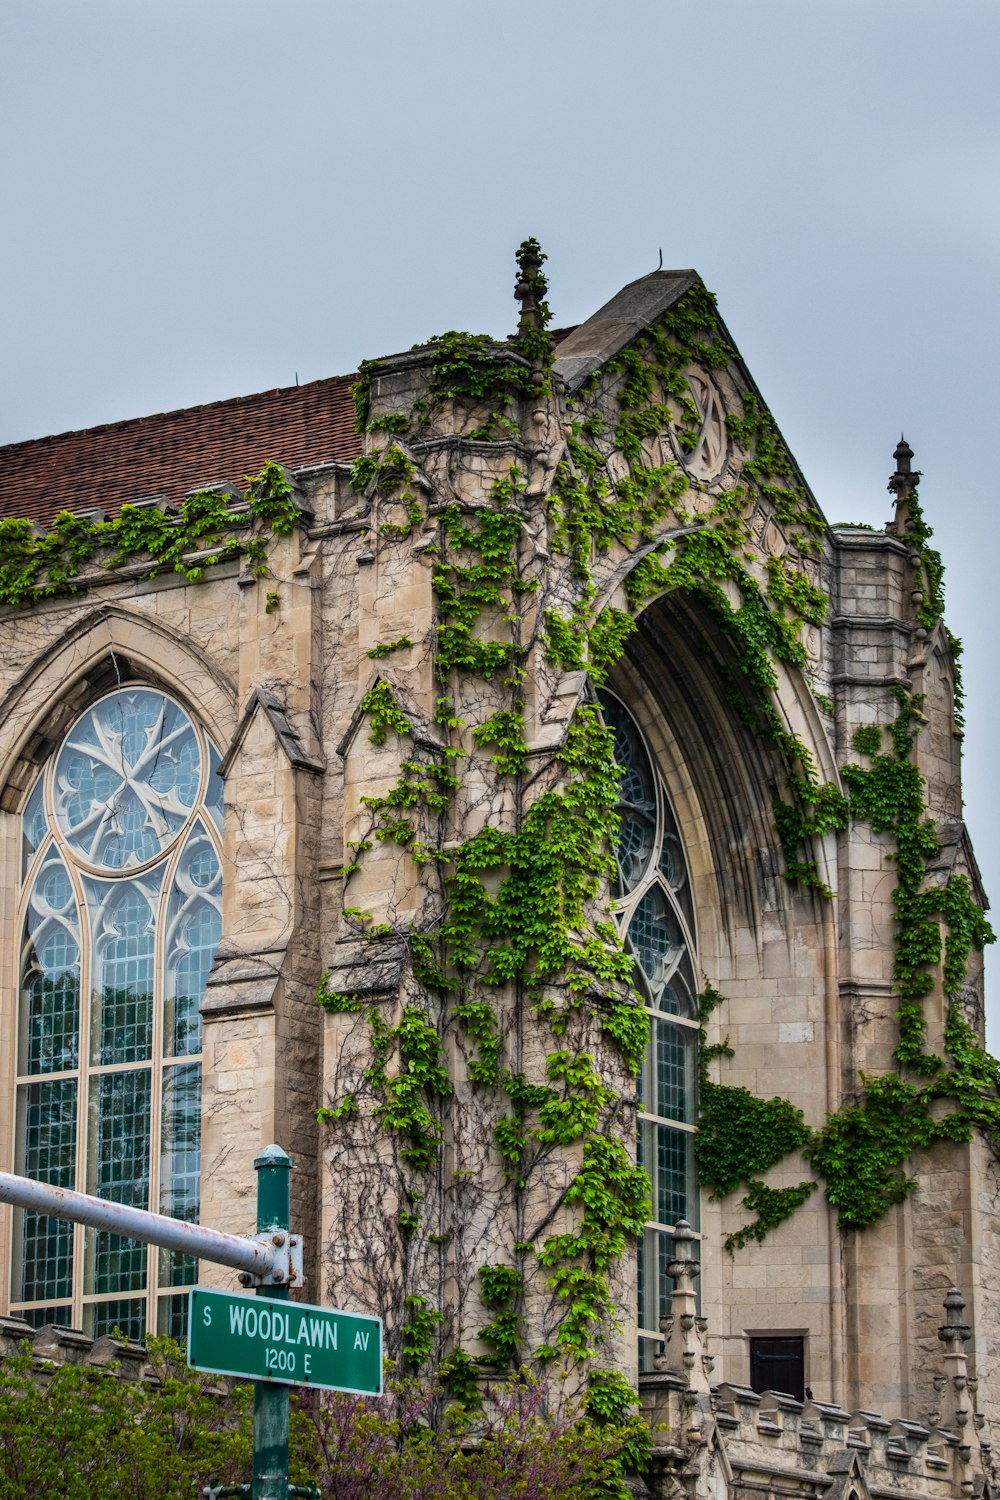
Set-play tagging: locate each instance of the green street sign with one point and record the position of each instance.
(289, 1343)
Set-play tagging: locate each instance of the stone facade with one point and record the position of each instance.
(344, 686)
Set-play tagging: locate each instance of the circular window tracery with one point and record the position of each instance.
(127, 778)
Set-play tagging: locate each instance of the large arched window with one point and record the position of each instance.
(120, 917)
(655, 914)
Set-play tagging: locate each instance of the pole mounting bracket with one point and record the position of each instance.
(284, 1253)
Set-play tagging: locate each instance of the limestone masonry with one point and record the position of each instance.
(464, 807)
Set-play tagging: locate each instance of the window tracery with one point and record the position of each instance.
(655, 914)
(121, 915)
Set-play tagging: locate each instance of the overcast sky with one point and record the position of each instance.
(204, 198)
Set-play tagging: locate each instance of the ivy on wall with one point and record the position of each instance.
(37, 566)
(474, 370)
(518, 902)
(862, 1151)
(519, 935)
(536, 929)
(710, 563)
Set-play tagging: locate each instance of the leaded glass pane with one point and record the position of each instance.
(656, 939)
(194, 926)
(33, 826)
(679, 997)
(51, 1003)
(673, 865)
(666, 1154)
(664, 1286)
(47, 1153)
(215, 789)
(172, 1317)
(636, 797)
(122, 1016)
(53, 893)
(636, 837)
(655, 1250)
(649, 1351)
(637, 784)
(127, 778)
(41, 1317)
(179, 1157)
(667, 1082)
(126, 1316)
(197, 937)
(119, 1171)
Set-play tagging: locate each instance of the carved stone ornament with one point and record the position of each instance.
(708, 457)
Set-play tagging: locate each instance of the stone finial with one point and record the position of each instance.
(902, 484)
(684, 1351)
(904, 472)
(956, 1390)
(954, 1328)
(530, 287)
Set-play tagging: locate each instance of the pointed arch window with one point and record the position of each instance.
(120, 916)
(655, 914)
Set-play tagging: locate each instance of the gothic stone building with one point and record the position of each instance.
(517, 800)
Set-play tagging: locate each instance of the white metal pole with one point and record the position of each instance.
(154, 1229)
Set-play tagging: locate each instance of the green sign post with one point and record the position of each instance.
(278, 1343)
(289, 1343)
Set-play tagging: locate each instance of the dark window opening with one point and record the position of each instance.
(778, 1364)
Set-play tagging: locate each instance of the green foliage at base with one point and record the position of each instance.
(79, 1432)
(609, 1403)
(458, 1437)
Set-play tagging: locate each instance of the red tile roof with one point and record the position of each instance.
(176, 451)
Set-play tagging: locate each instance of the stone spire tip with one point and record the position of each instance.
(905, 477)
(531, 285)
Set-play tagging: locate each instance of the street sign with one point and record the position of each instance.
(288, 1343)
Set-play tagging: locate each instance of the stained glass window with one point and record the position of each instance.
(656, 917)
(121, 915)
